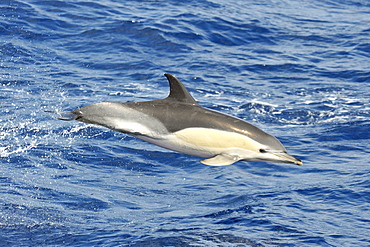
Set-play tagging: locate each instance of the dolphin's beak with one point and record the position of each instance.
(288, 158)
(67, 116)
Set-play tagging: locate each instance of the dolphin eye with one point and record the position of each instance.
(262, 150)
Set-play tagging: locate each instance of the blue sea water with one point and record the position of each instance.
(299, 70)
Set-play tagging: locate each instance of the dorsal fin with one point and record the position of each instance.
(178, 93)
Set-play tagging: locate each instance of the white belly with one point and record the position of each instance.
(206, 143)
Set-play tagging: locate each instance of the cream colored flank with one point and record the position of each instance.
(220, 148)
(216, 139)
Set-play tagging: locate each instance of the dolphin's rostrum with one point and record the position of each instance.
(179, 123)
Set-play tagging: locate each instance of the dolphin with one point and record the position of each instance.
(179, 123)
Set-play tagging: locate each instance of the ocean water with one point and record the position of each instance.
(299, 70)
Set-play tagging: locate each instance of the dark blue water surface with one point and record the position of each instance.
(299, 70)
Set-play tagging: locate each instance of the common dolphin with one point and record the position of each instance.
(180, 124)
